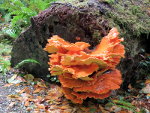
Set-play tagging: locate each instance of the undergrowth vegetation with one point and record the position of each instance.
(19, 12)
(4, 58)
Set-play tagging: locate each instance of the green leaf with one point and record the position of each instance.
(10, 32)
(7, 17)
(29, 77)
(123, 103)
(48, 76)
(26, 11)
(110, 1)
(4, 66)
(16, 19)
(92, 110)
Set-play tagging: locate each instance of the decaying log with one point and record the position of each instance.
(90, 20)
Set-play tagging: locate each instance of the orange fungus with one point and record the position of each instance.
(85, 73)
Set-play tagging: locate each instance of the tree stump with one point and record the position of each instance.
(90, 20)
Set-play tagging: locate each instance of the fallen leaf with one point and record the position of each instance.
(40, 106)
(27, 103)
(147, 81)
(54, 94)
(102, 109)
(11, 80)
(17, 84)
(124, 111)
(15, 79)
(11, 105)
(38, 99)
(146, 89)
(29, 77)
(29, 109)
(7, 85)
(21, 78)
(36, 110)
(23, 90)
(38, 90)
(41, 84)
(13, 96)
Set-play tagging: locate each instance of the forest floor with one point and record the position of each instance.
(22, 93)
(8, 105)
(33, 95)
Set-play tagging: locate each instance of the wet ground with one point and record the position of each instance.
(8, 105)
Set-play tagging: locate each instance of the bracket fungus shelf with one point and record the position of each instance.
(86, 73)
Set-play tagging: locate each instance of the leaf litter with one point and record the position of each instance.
(44, 97)
(37, 96)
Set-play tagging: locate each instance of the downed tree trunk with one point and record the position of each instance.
(90, 20)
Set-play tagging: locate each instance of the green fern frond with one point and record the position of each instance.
(124, 104)
(21, 11)
(128, 108)
(25, 62)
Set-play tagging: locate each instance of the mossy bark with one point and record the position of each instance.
(90, 20)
